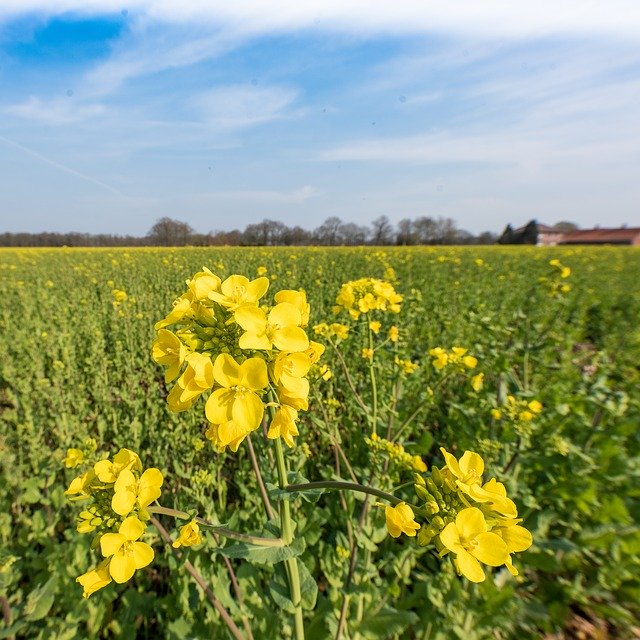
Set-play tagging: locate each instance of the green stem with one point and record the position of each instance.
(348, 486)
(286, 525)
(374, 386)
(221, 530)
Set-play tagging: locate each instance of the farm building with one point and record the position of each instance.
(622, 235)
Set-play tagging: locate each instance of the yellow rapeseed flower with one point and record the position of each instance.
(126, 553)
(477, 382)
(283, 425)
(237, 291)
(400, 519)
(170, 351)
(189, 535)
(128, 490)
(237, 400)
(74, 458)
(280, 328)
(95, 579)
(471, 542)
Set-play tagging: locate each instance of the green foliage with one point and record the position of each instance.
(75, 364)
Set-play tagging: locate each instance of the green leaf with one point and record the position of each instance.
(39, 601)
(280, 590)
(263, 555)
(386, 622)
(308, 587)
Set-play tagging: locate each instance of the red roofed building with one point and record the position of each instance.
(623, 235)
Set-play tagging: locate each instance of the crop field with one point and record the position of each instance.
(308, 492)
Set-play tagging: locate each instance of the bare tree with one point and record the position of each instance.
(353, 234)
(328, 233)
(167, 232)
(381, 231)
(406, 234)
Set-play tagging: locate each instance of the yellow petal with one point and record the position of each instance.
(254, 341)
(233, 284)
(251, 319)
(247, 410)
(232, 432)
(470, 522)
(392, 525)
(257, 288)
(218, 406)
(469, 567)
(491, 549)
(253, 374)
(295, 386)
(95, 579)
(123, 501)
(149, 487)
(471, 464)
(132, 528)
(290, 339)
(110, 543)
(284, 315)
(450, 538)
(226, 371)
(517, 538)
(142, 554)
(122, 567)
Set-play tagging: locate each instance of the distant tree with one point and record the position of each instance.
(487, 237)
(329, 232)
(296, 236)
(381, 231)
(353, 234)
(425, 229)
(406, 234)
(507, 236)
(167, 232)
(565, 227)
(529, 233)
(446, 231)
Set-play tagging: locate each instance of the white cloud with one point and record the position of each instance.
(55, 112)
(241, 106)
(518, 18)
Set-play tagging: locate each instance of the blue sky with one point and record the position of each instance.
(221, 114)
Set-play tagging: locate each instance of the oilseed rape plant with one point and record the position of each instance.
(349, 443)
(249, 362)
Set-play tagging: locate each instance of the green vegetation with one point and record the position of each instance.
(75, 341)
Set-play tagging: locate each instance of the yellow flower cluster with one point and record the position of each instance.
(406, 366)
(120, 491)
(555, 282)
(457, 359)
(226, 345)
(471, 519)
(365, 295)
(335, 329)
(396, 453)
(520, 413)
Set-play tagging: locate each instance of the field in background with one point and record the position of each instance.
(76, 328)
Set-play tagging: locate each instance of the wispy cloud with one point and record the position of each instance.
(56, 112)
(60, 166)
(240, 106)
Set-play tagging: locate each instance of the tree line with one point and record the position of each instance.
(167, 232)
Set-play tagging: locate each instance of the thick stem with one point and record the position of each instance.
(286, 526)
